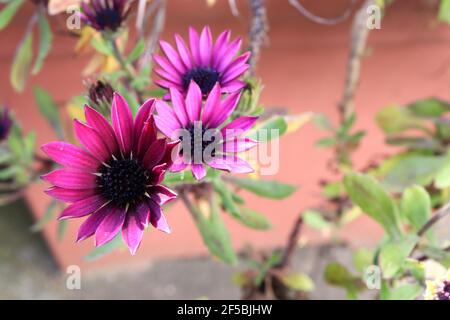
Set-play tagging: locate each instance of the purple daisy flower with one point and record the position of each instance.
(5, 123)
(206, 140)
(105, 15)
(116, 179)
(203, 61)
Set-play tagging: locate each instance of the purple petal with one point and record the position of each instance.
(179, 107)
(70, 179)
(91, 224)
(82, 208)
(92, 141)
(171, 152)
(155, 153)
(172, 56)
(226, 109)
(132, 232)
(69, 195)
(205, 46)
(148, 136)
(238, 126)
(122, 121)
(218, 162)
(168, 84)
(220, 46)
(71, 156)
(229, 54)
(175, 78)
(235, 72)
(110, 226)
(161, 194)
(167, 66)
(157, 174)
(183, 51)
(198, 170)
(166, 120)
(232, 86)
(194, 43)
(239, 145)
(193, 102)
(238, 165)
(143, 214)
(157, 218)
(97, 121)
(142, 116)
(212, 104)
(178, 165)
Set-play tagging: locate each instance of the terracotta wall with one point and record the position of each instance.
(303, 69)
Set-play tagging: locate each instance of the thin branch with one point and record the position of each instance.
(258, 31)
(326, 21)
(156, 30)
(359, 35)
(291, 244)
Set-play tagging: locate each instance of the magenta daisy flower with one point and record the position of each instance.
(116, 179)
(206, 139)
(203, 61)
(5, 123)
(105, 15)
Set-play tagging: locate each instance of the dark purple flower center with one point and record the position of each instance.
(108, 18)
(5, 124)
(444, 294)
(199, 138)
(123, 181)
(205, 77)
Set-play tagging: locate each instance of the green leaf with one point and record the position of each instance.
(179, 177)
(444, 11)
(137, 51)
(265, 188)
(405, 292)
(102, 46)
(61, 229)
(22, 62)
(394, 253)
(396, 119)
(362, 259)
(254, 219)
(442, 179)
(315, 220)
(272, 128)
(368, 194)
(415, 143)
(48, 109)
(215, 234)
(416, 206)
(297, 281)
(430, 107)
(413, 170)
(8, 12)
(326, 142)
(105, 249)
(338, 275)
(45, 42)
(322, 122)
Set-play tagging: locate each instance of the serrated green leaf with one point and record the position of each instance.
(394, 253)
(20, 68)
(265, 188)
(368, 194)
(45, 42)
(8, 12)
(416, 206)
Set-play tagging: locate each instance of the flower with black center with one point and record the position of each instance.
(200, 125)
(116, 178)
(105, 15)
(203, 62)
(439, 289)
(5, 123)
